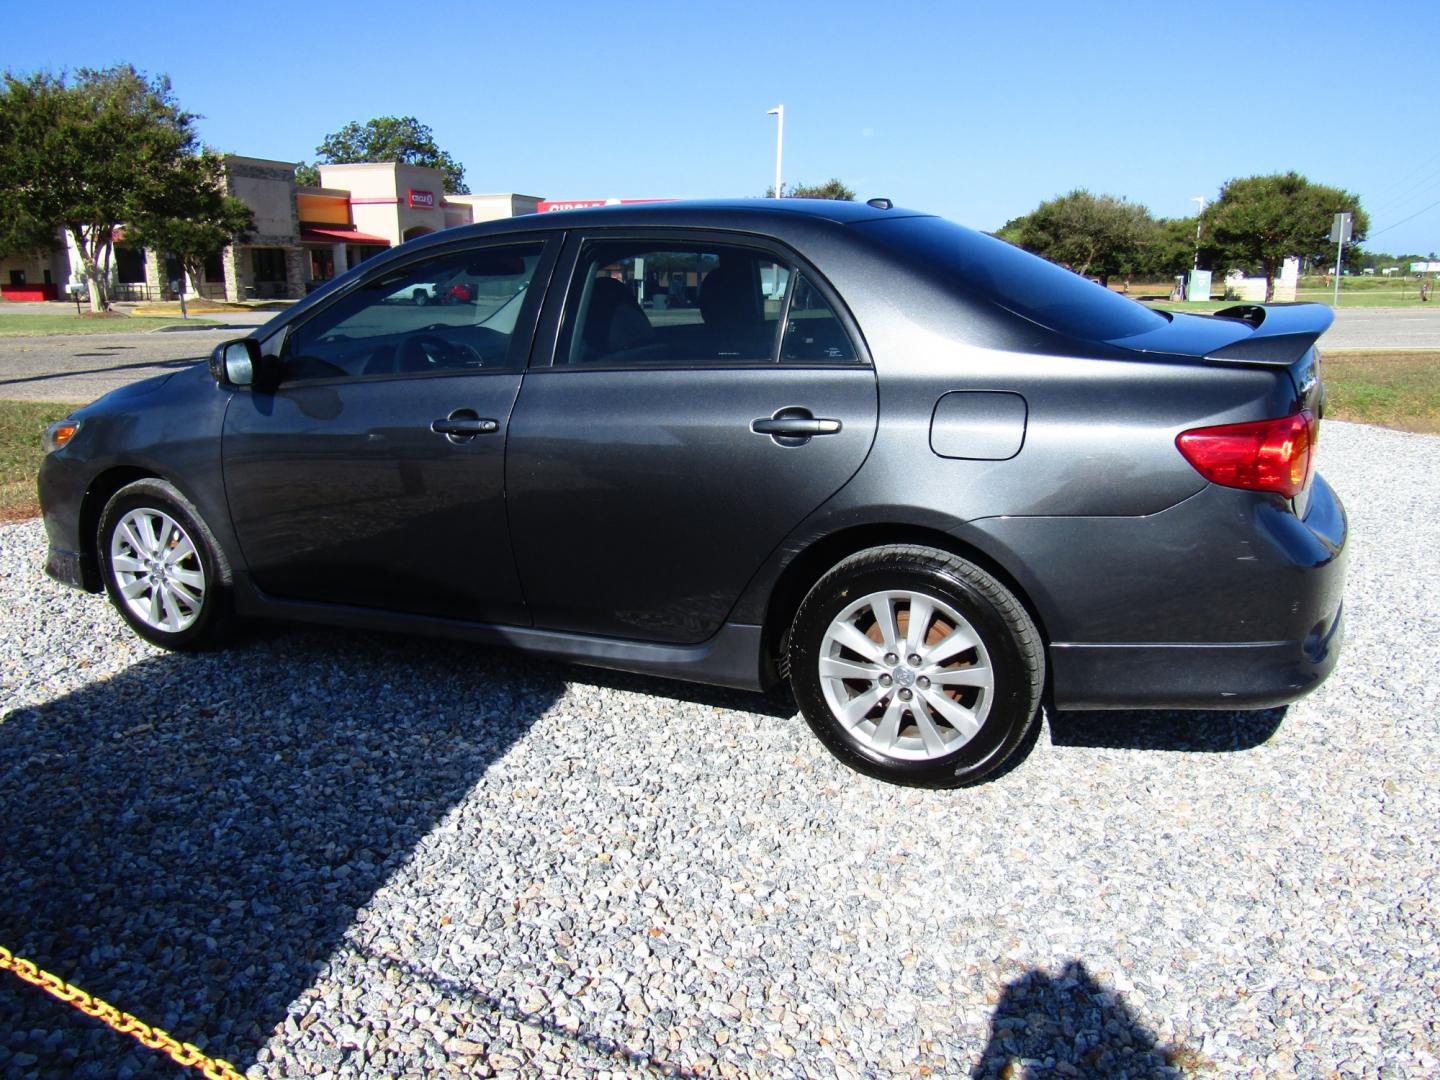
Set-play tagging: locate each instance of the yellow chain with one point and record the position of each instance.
(184, 1054)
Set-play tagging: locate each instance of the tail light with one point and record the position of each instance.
(1266, 455)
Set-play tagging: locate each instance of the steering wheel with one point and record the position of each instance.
(425, 352)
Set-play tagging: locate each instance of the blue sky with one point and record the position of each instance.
(977, 112)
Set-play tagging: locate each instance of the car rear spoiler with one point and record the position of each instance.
(1280, 333)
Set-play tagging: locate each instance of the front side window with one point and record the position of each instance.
(673, 303)
(455, 311)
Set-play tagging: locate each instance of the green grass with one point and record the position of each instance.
(1395, 390)
(22, 428)
(32, 325)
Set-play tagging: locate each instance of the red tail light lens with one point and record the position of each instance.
(1267, 455)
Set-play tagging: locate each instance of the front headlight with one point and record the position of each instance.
(60, 433)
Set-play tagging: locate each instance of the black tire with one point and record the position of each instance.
(202, 617)
(1008, 647)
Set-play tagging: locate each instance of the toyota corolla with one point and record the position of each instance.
(924, 477)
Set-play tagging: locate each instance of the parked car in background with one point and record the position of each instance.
(926, 479)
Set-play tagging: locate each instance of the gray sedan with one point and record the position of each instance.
(923, 477)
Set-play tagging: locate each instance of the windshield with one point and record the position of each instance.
(1002, 274)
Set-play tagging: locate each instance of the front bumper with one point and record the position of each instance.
(73, 568)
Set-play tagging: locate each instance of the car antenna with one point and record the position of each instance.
(880, 204)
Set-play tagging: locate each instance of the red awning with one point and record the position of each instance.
(317, 235)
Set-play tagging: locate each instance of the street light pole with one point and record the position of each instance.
(1201, 200)
(778, 111)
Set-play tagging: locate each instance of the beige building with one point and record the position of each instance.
(303, 235)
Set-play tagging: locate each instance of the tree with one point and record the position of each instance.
(831, 189)
(1091, 234)
(1171, 247)
(87, 154)
(401, 139)
(198, 220)
(307, 175)
(1260, 221)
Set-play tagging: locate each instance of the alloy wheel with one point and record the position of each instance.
(906, 674)
(157, 570)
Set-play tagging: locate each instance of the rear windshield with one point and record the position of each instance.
(1025, 284)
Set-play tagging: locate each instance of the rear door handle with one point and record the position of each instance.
(794, 426)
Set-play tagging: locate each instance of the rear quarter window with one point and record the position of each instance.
(991, 270)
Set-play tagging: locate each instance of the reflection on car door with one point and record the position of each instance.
(342, 493)
(374, 475)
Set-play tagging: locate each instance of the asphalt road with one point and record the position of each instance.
(1385, 328)
(79, 368)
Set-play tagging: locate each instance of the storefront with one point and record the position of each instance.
(303, 236)
(28, 278)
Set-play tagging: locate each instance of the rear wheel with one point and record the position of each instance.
(916, 667)
(162, 568)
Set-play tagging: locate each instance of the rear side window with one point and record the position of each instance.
(673, 302)
(813, 333)
(1002, 274)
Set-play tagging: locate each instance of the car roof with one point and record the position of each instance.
(839, 210)
(760, 215)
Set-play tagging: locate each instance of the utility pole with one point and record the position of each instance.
(778, 111)
(1201, 200)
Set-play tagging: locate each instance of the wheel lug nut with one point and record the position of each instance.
(905, 695)
(923, 683)
(913, 659)
(886, 680)
(891, 659)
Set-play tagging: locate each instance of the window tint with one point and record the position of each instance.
(1026, 284)
(452, 312)
(637, 302)
(813, 333)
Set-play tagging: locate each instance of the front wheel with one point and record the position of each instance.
(916, 667)
(162, 568)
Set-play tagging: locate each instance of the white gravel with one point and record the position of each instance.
(329, 854)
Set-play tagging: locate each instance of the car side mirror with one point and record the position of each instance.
(234, 363)
(240, 363)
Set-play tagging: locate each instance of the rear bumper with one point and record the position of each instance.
(1227, 600)
(1252, 676)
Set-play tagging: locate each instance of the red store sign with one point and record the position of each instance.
(422, 200)
(545, 206)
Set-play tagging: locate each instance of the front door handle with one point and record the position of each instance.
(462, 425)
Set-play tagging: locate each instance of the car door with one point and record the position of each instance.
(677, 435)
(373, 476)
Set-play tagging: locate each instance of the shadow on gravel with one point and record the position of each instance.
(1168, 729)
(190, 839)
(1070, 1025)
(777, 704)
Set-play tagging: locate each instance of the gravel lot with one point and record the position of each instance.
(340, 855)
